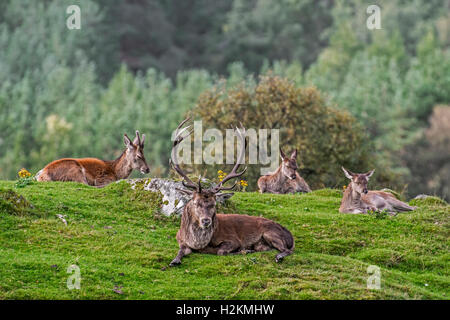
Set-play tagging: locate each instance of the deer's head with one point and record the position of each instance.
(359, 181)
(135, 152)
(289, 165)
(203, 202)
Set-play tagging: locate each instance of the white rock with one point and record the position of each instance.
(422, 196)
(173, 200)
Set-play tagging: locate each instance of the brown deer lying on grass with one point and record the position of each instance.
(358, 199)
(286, 179)
(96, 172)
(204, 231)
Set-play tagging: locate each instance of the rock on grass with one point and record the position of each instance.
(15, 204)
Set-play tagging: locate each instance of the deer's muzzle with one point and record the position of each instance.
(206, 222)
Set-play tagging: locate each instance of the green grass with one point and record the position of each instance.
(120, 241)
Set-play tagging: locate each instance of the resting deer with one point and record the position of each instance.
(96, 172)
(358, 199)
(204, 231)
(286, 179)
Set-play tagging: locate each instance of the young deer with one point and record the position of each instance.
(358, 199)
(204, 231)
(96, 172)
(286, 179)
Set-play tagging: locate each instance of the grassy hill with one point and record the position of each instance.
(123, 247)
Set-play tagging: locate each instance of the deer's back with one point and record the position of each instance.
(246, 229)
(70, 169)
(373, 194)
(270, 183)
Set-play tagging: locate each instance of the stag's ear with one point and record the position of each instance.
(294, 154)
(348, 173)
(282, 155)
(127, 141)
(370, 173)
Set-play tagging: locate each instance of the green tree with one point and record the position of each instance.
(428, 157)
(288, 30)
(325, 137)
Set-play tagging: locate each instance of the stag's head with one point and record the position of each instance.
(203, 202)
(359, 181)
(289, 165)
(204, 208)
(135, 152)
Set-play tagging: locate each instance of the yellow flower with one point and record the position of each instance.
(221, 175)
(23, 173)
(243, 183)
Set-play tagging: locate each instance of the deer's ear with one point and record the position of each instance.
(370, 173)
(142, 141)
(294, 154)
(282, 155)
(137, 139)
(127, 141)
(348, 173)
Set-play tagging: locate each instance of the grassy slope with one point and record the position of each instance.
(119, 240)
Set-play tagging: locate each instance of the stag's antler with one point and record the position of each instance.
(173, 159)
(241, 156)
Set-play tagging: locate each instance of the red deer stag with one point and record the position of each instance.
(286, 179)
(96, 172)
(204, 231)
(358, 199)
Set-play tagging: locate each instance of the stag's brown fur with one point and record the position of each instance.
(358, 199)
(228, 233)
(96, 172)
(202, 230)
(286, 179)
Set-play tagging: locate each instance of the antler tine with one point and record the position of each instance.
(233, 174)
(173, 159)
(228, 188)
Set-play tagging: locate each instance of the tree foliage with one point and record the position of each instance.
(428, 157)
(325, 138)
(143, 64)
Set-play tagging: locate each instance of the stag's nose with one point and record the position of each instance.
(206, 222)
(365, 191)
(146, 170)
(293, 176)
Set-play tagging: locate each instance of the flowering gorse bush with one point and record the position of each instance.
(221, 175)
(242, 185)
(25, 178)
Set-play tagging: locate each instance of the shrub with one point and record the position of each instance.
(326, 138)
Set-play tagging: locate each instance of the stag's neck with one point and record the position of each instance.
(121, 166)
